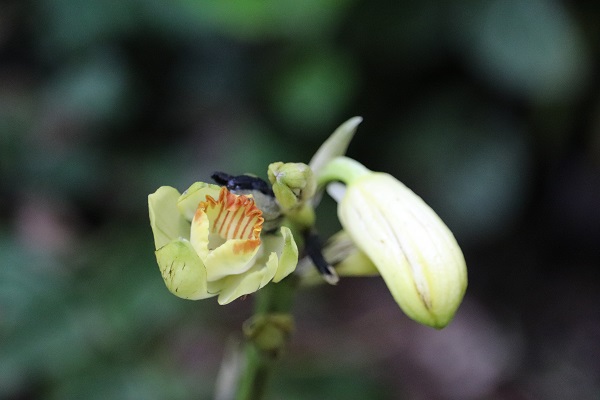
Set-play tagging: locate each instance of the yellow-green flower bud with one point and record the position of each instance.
(293, 183)
(414, 251)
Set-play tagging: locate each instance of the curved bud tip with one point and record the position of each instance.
(336, 145)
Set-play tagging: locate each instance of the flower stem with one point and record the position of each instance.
(254, 380)
(341, 169)
(267, 333)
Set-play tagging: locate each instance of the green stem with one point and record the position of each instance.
(254, 380)
(341, 169)
(272, 302)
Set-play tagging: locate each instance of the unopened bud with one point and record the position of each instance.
(293, 183)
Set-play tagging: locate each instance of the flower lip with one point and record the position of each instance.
(232, 217)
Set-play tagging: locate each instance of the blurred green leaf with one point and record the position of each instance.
(313, 382)
(93, 89)
(256, 19)
(126, 381)
(77, 171)
(68, 25)
(311, 92)
(472, 164)
(532, 47)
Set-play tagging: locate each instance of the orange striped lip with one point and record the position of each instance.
(233, 216)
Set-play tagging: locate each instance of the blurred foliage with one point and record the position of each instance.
(487, 109)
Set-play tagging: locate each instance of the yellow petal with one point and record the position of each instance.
(231, 258)
(287, 254)
(189, 200)
(270, 269)
(199, 233)
(341, 252)
(356, 264)
(236, 286)
(265, 267)
(166, 221)
(182, 270)
(280, 253)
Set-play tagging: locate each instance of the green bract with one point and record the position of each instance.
(208, 242)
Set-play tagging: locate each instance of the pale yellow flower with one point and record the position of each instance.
(208, 242)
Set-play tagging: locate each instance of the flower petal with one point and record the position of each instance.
(182, 270)
(236, 286)
(265, 267)
(288, 255)
(166, 221)
(189, 200)
(356, 264)
(231, 258)
(267, 259)
(279, 251)
(270, 269)
(199, 233)
(347, 259)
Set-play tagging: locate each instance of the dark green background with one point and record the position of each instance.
(490, 110)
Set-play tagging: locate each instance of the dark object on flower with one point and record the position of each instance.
(242, 183)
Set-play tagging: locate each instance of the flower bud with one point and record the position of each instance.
(293, 183)
(414, 251)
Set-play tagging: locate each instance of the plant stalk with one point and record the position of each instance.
(267, 334)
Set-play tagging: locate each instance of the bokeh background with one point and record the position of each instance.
(489, 110)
